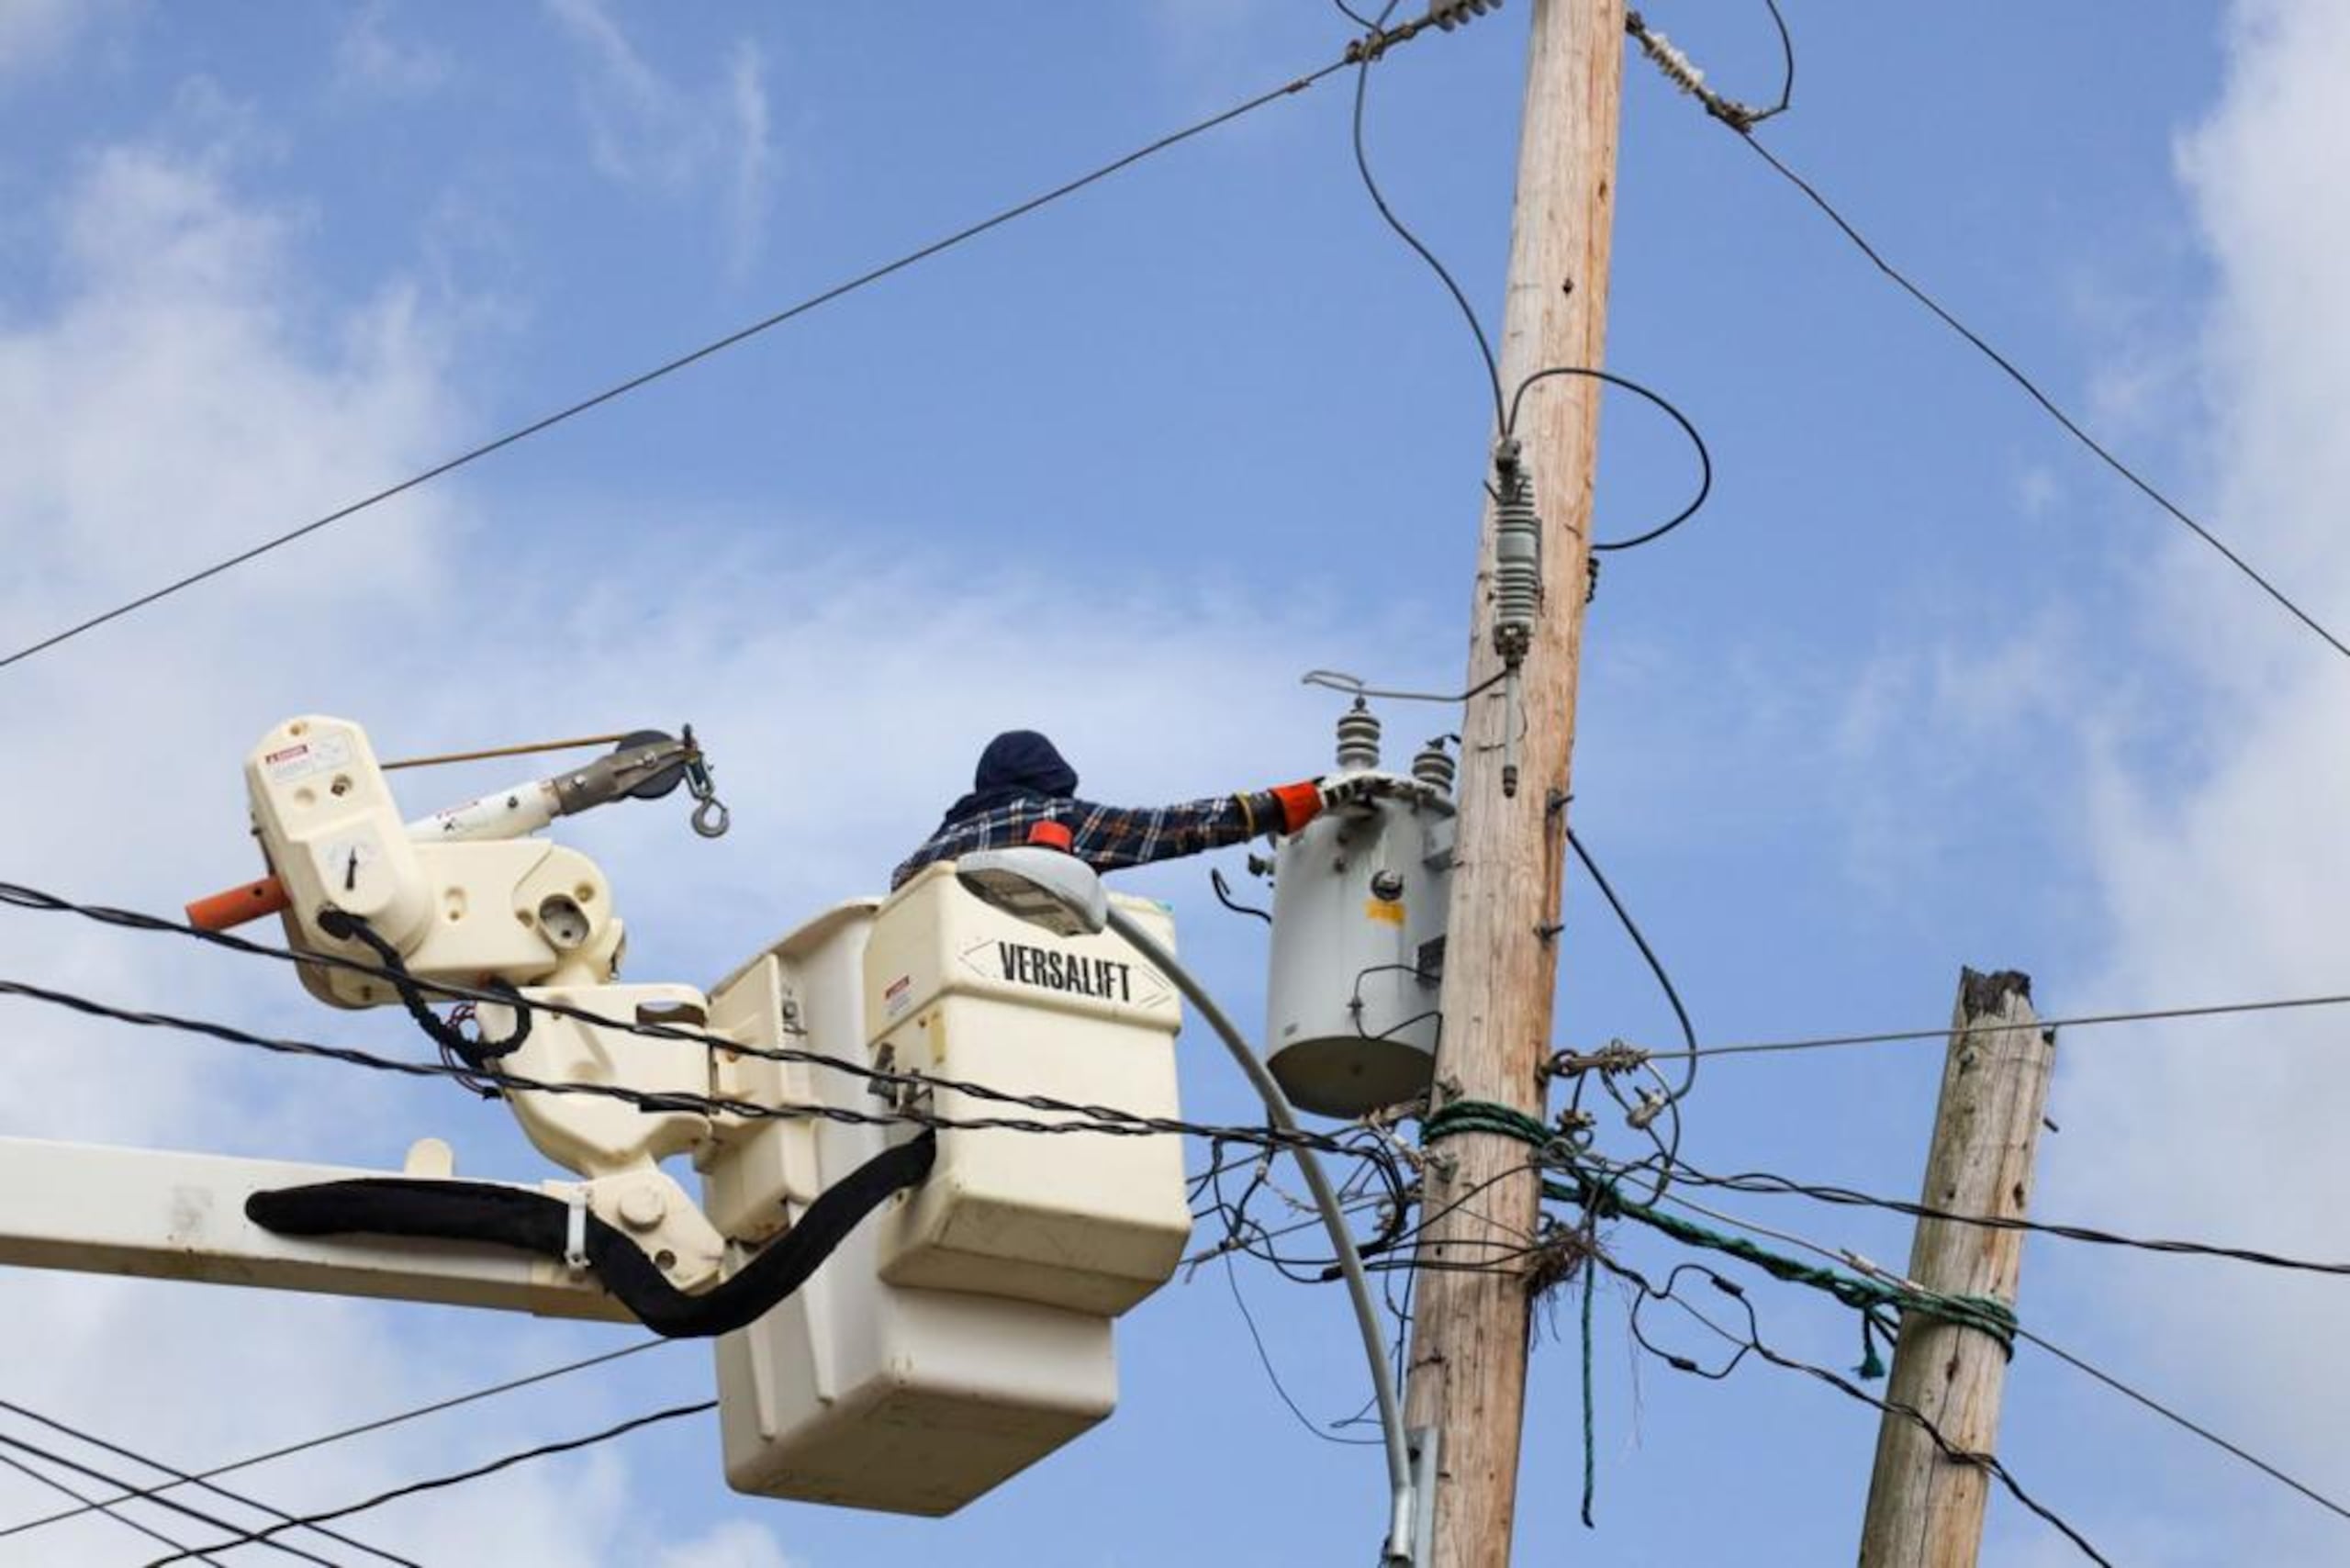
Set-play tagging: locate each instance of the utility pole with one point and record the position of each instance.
(1926, 1508)
(1469, 1335)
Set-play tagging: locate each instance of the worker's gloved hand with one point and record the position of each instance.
(1298, 804)
(1286, 808)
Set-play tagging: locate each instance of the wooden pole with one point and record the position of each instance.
(1925, 1508)
(1468, 1344)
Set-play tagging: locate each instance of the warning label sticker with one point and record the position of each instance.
(306, 757)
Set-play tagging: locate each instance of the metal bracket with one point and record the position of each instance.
(1423, 1443)
(575, 1232)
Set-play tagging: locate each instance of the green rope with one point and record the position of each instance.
(1873, 1299)
(1590, 1458)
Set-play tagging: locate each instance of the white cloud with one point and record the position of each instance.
(36, 34)
(367, 55)
(182, 395)
(2221, 869)
(736, 1544)
(755, 155)
(651, 133)
(186, 390)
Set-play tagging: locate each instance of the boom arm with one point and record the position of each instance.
(165, 1215)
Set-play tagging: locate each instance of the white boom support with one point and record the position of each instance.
(159, 1215)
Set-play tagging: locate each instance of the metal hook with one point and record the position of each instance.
(711, 818)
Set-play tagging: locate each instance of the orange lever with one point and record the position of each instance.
(237, 905)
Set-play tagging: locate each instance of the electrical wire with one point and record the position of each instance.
(50, 1456)
(457, 1478)
(1744, 121)
(181, 1477)
(1848, 1257)
(1769, 1184)
(2077, 1021)
(1704, 458)
(1379, 200)
(1111, 1123)
(1083, 1118)
(289, 1449)
(2049, 405)
(1265, 1360)
(1787, 52)
(21, 1468)
(1127, 1125)
(1339, 680)
(1361, 50)
(1656, 965)
(1506, 412)
(1752, 1341)
(2167, 1413)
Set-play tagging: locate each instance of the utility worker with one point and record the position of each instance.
(1021, 780)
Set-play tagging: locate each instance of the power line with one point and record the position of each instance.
(1688, 427)
(377, 1425)
(1377, 42)
(2077, 1021)
(1656, 966)
(1752, 1343)
(1988, 1463)
(1265, 1360)
(1127, 1125)
(1881, 1289)
(457, 1478)
(2071, 425)
(1744, 121)
(1668, 1148)
(182, 1477)
(2167, 1413)
(199, 1515)
(1379, 200)
(2018, 1330)
(1769, 1184)
(1506, 412)
(107, 1508)
(1105, 1119)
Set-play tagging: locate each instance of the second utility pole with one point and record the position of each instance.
(1925, 1508)
(1480, 1203)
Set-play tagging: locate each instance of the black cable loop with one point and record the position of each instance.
(1704, 458)
(477, 1053)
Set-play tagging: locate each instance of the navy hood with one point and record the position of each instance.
(1019, 765)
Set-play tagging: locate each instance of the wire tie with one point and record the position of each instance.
(575, 1232)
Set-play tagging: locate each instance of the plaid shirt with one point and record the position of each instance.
(1104, 838)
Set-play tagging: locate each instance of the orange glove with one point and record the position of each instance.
(1300, 803)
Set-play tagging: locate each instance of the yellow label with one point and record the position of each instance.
(1387, 909)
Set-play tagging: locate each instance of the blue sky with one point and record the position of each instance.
(1922, 686)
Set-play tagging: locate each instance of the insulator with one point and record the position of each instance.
(1450, 13)
(1518, 560)
(1357, 738)
(1434, 766)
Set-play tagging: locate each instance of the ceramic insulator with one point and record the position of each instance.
(1357, 738)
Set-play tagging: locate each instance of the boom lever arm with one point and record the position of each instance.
(647, 764)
